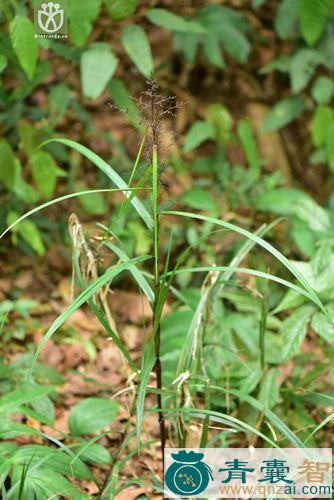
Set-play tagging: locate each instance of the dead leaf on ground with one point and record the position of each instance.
(130, 493)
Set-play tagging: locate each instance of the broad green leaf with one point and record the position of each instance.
(94, 453)
(200, 199)
(313, 15)
(58, 100)
(44, 172)
(91, 415)
(138, 48)
(21, 32)
(3, 62)
(60, 461)
(330, 145)
(199, 132)
(166, 19)
(323, 327)
(29, 232)
(93, 204)
(283, 112)
(286, 20)
(280, 201)
(303, 236)
(213, 51)
(235, 43)
(302, 68)
(30, 137)
(82, 19)
(293, 331)
(252, 380)
(246, 136)
(323, 90)
(321, 121)
(188, 44)
(226, 26)
(121, 97)
(120, 9)
(214, 17)
(45, 408)
(141, 236)
(269, 389)
(98, 64)
(315, 216)
(12, 401)
(221, 120)
(40, 483)
(10, 169)
(281, 63)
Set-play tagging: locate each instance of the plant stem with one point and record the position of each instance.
(156, 312)
(155, 214)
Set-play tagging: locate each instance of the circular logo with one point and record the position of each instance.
(188, 475)
(50, 17)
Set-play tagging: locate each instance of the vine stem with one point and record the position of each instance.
(156, 313)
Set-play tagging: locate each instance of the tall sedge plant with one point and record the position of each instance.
(156, 286)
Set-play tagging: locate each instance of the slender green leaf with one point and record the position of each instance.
(242, 270)
(272, 417)
(269, 389)
(81, 299)
(292, 268)
(57, 200)
(249, 146)
(137, 274)
(109, 172)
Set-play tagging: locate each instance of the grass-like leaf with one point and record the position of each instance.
(100, 316)
(81, 299)
(263, 243)
(244, 270)
(109, 172)
(58, 200)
